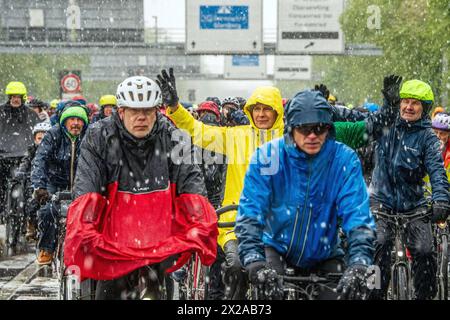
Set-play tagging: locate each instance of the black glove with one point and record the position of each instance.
(353, 284)
(19, 175)
(323, 89)
(234, 277)
(440, 211)
(266, 281)
(231, 256)
(168, 88)
(41, 195)
(391, 89)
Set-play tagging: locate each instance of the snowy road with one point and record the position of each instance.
(22, 279)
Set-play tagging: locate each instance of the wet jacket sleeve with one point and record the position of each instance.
(353, 209)
(25, 164)
(91, 170)
(343, 114)
(352, 134)
(376, 122)
(189, 176)
(208, 137)
(39, 171)
(434, 165)
(253, 208)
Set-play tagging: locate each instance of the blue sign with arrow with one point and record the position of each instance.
(224, 17)
(250, 60)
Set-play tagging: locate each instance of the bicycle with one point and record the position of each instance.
(15, 216)
(70, 286)
(193, 284)
(401, 287)
(441, 236)
(306, 287)
(194, 281)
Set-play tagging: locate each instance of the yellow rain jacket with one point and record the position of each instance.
(236, 143)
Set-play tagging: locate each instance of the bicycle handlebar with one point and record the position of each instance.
(405, 217)
(62, 195)
(221, 211)
(314, 278)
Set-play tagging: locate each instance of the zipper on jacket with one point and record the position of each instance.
(306, 236)
(395, 204)
(72, 160)
(295, 228)
(304, 209)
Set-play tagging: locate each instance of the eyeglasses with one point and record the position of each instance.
(261, 109)
(318, 129)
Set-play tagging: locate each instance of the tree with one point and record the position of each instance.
(413, 35)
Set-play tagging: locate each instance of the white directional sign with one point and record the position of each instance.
(310, 26)
(250, 66)
(224, 26)
(292, 67)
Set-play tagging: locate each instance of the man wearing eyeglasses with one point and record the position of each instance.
(290, 218)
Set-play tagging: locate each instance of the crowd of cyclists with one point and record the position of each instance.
(312, 178)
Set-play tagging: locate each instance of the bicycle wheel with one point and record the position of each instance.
(402, 283)
(14, 220)
(443, 269)
(184, 284)
(198, 280)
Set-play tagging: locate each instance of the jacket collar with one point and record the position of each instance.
(424, 122)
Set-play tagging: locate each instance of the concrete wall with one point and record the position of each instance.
(116, 14)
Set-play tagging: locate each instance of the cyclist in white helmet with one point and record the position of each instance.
(132, 214)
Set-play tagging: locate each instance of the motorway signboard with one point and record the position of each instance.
(224, 27)
(310, 26)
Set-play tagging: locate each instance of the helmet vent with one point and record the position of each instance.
(131, 95)
(140, 97)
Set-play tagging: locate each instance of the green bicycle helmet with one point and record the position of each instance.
(419, 90)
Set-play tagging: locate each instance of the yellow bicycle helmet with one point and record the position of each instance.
(54, 103)
(107, 100)
(16, 88)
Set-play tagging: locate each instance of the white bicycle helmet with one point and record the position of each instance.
(441, 121)
(41, 127)
(138, 92)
